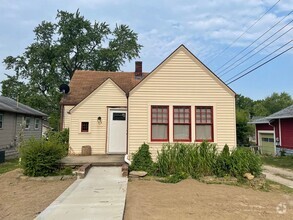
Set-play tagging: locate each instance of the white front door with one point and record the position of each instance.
(117, 129)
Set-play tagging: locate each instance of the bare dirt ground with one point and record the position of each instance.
(190, 199)
(25, 199)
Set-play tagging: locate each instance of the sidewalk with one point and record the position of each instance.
(285, 176)
(101, 195)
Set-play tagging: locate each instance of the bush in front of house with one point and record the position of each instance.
(245, 161)
(192, 159)
(142, 159)
(223, 165)
(59, 136)
(180, 160)
(40, 157)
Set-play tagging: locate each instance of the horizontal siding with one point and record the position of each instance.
(31, 132)
(67, 116)
(90, 109)
(7, 132)
(180, 81)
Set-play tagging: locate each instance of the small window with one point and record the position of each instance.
(84, 127)
(27, 122)
(204, 123)
(160, 123)
(1, 120)
(117, 116)
(182, 123)
(37, 123)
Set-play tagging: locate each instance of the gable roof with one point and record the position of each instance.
(100, 86)
(84, 82)
(182, 47)
(10, 105)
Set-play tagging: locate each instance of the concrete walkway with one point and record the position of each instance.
(285, 176)
(101, 195)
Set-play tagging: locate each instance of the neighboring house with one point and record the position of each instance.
(181, 100)
(275, 132)
(18, 122)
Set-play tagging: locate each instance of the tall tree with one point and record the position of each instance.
(59, 49)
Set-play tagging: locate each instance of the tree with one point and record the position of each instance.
(59, 49)
(277, 102)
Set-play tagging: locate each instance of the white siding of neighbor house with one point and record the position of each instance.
(67, 116)
(180, 80)
(94, 106)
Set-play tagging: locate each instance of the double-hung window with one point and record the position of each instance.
(204, 123)
(182, 123)
(160, 123)
(37, 123)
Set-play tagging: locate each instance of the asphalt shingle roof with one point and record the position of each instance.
(84, 82)
(10, 105)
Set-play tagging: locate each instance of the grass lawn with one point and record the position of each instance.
(283, 162)
(9, 165)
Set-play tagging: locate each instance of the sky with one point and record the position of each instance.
(209, 29)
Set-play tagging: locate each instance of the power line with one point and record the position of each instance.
(254, 41)
(259, 60)
(261, 64)
(255, 52)
(244, 32)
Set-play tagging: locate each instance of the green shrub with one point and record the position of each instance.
(60, 136)
(142, 159)
(244, 161)
(40, 157)
(192, 159)
(223, 164)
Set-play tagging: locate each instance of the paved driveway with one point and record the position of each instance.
(101, 195)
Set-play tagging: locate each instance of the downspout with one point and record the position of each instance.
(126, 155)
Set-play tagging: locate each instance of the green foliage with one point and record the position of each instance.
(247, 108)
(61, 137)
(223, 164)
(178, 161)
(142, 160)
(242, 127)
(72, 42)
(244, 161)
(191, 159)
(40, 157)
(9, 165)
(282, 161)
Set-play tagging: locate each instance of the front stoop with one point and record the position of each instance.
(94, 160)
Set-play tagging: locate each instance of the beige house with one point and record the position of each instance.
(181, 100)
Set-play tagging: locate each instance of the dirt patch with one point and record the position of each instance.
(25, 199)
(190, 199)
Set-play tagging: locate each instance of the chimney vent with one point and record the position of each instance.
(138, 69)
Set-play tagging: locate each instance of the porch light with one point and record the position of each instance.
(99, 120)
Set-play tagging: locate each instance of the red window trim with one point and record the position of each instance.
(160, 140)
(212, 123)
(82, 129)
(182, 140)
